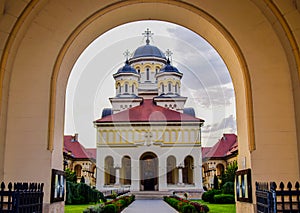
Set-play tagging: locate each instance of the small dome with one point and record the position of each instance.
(169, 68)
(127, 69)
(106, 112)
(148, 51)
(189, 111)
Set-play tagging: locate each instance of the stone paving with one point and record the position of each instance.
(149, 206)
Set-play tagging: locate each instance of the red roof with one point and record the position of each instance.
(92, 152)
(76, 149)
(148, 112)
(226, 146)
(205, 151)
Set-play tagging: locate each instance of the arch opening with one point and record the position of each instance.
(149, 172)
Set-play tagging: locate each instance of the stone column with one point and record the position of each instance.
(197, 173)
(162, 174)
(117, 183)
(100, 178)
(135, 175)
(180, 175)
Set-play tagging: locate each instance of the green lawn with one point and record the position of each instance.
(76, 208)
(219, 208)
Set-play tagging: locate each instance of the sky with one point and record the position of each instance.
(206, 80)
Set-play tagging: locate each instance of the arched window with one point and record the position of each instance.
(171, 170)
(170, 87)
(119, 87)
(126, 170)
(188, 170)
(78, 169)
(110, 177)
(132, 89)
(126, 88)
(162, 88)
(147, 74)
(220, 169)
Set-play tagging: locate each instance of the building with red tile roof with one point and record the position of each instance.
(216, 158)
(148, 140)
(79, 159)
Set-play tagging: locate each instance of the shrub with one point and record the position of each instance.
(200, 207)
(119, 204)
(80, 193)
(180, 205)
(110, 208)
(94, 209)
(228, 188)
(128, 200)
(209, 195)
(114, 195)
(188, 209)
(78, 200)
(224, 199)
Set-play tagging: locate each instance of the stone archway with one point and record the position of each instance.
(40, 47)
(149, 172)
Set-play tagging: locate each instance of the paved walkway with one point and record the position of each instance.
(149, 206)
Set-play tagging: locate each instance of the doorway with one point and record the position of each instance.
(149, 173)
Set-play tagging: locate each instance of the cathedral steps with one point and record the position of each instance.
(150, 195)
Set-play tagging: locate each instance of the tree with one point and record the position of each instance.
(229, 174)
(82, 180)
(70, 175)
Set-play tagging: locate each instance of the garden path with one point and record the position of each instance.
(149, 206)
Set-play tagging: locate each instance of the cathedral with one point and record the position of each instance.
(148, 140)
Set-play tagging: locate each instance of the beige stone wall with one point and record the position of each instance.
(258, 40)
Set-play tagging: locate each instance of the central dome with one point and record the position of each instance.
(148, 51)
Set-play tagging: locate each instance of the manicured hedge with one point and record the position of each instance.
(110, 208)
(228, 188)
(216, 196)
(224, 199)
(80, 193)
(114, 206)
(188, 209)
(185, 206)
(209, 195)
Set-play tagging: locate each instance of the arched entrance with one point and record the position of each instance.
(265, 74)
(149, 172)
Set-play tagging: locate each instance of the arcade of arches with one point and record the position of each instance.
(149, 173)
(258, 41)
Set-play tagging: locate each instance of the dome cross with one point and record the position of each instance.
(169, 54)
(148, 34)
(127, 54)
